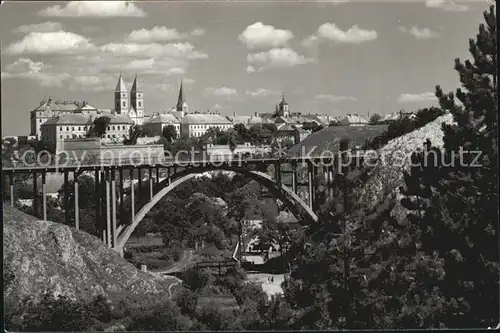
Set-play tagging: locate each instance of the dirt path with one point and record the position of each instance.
(179, 265)
(172, 285)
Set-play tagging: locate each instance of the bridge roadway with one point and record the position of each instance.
(77, 166)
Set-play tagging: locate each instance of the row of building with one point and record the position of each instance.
(56, 120)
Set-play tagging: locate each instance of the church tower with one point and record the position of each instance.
(137, 101)
(181, 103)
(121, 97)
(283, 107)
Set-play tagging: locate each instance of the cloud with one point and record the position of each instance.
(155, 34)
(198, 32)
(335, 2)
(175, 71)
(355, 35)
(250, 69)
(277, 58)
(160, 87)
(259, 35)
(94, 83)
(188, 81)
(261, 92)
(220, 92)
(50, 42)
(420, 34)
(310, 41)
(160, 34)
(333, 98)
(424, 97)
(140, 64)
(39, 27)
(330, 32)
(156, 50)
(94, 9)
(26, 68)
(447, 5)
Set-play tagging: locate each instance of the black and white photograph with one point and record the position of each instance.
(249, 165)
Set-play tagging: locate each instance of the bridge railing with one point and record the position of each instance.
(54, 163)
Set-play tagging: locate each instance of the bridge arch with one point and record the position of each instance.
(291, 200)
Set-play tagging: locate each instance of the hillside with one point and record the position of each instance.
(388, 173)
(42, 257)
(328, 139)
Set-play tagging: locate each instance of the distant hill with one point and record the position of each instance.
(328, 139)
(46, 257)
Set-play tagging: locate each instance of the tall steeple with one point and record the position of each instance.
(283, 106)
(134, 85)
(121, 96)
(180, 100)
(137, 102)
(120, 86)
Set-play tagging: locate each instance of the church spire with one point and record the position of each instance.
(180, 100)
(134, 85)
(120, 86)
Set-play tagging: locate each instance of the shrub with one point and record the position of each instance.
(164, 316)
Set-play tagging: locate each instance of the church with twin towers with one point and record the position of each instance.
(130, 104)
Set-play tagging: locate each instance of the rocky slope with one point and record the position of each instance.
(46, 257)
(394, 158)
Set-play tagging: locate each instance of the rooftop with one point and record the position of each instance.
(354, 119)
(164, 118)
(51, 105)
(204, 118)
(83, 119)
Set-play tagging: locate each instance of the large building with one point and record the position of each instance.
(187, 124)
(127, 104)
(50, 108)
(159, 121)
(76, 125)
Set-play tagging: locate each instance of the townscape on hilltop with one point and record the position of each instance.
(55, 121)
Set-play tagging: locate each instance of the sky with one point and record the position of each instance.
(330, 57)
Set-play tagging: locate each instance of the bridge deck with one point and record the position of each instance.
(165, 163)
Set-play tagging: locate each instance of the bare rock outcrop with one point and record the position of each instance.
(45, 257)
(394, 157)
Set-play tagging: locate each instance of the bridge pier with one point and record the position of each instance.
(294, 177)
(150, 183)
(77, 204)
(310, 182)
(139, 179)
(44, 197)
(120, 175)
(66, 195)
(132, 195)
(11, 187)
(36, 202)
(108, 213)
(113, 207)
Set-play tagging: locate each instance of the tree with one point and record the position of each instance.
(456, 200)
(170, 133)
(242, 133)
(312, 126)
(99, 127)
(232, 140)
(375, 118)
